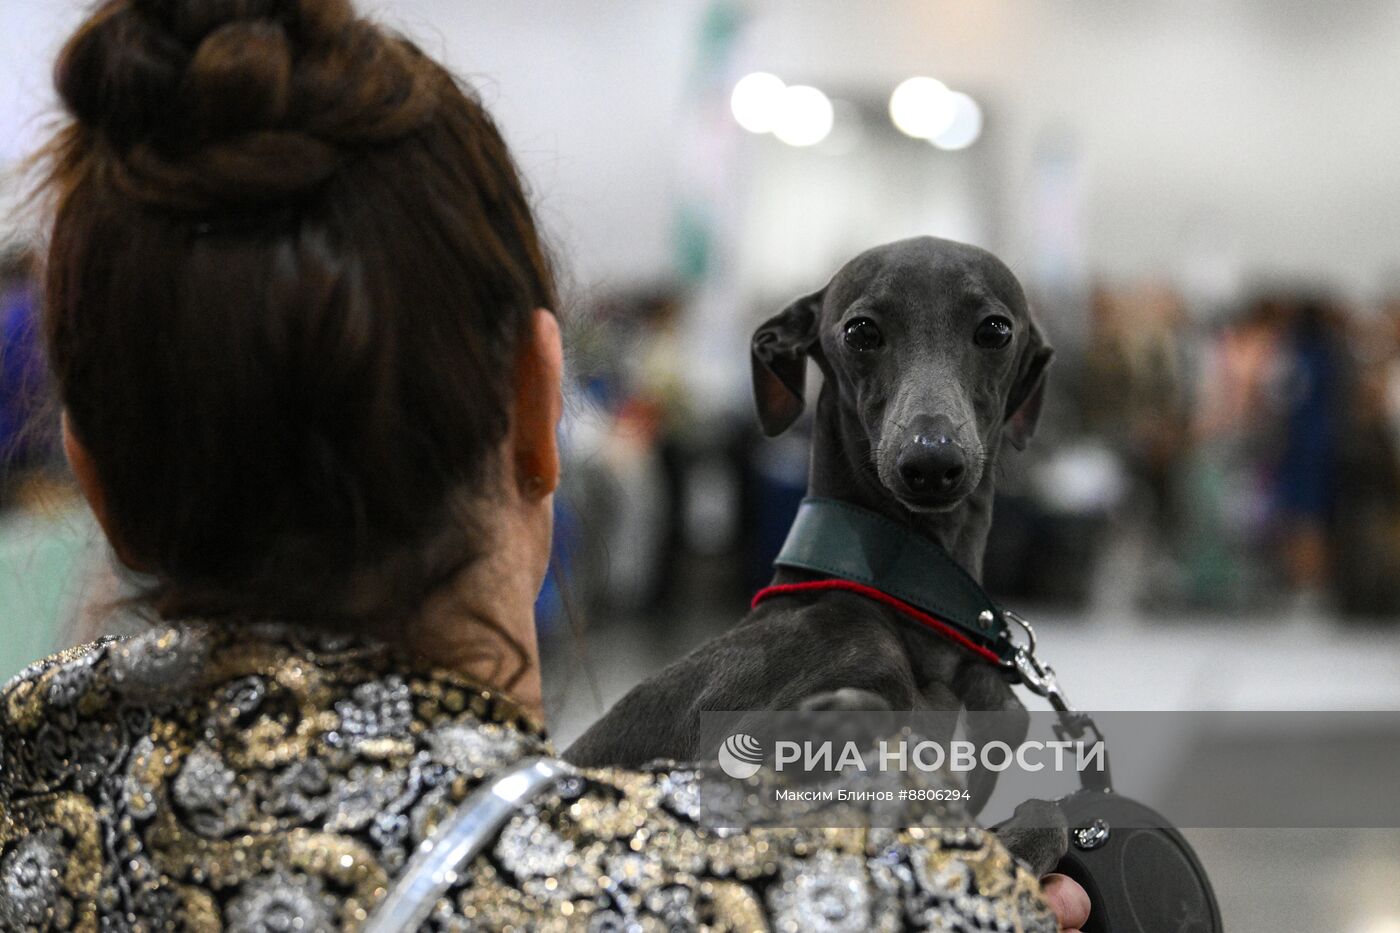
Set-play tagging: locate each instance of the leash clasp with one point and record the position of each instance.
(1034, 673)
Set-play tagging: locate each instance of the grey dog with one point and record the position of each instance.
(931, 362)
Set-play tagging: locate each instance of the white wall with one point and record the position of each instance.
(1263, 131)
(30, 34)
(1211, 139)
(587, 94)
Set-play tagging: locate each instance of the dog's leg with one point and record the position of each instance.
(992, 714)
(1037, 834)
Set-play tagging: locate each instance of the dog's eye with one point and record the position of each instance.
(993, 333)
(863, 334)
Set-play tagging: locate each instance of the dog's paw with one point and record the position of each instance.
(846, 700)
(1037, 834)
(863, 719)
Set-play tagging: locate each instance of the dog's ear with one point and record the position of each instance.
(1023, 404)
(779, 355)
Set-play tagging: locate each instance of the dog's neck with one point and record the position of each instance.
(843, 468)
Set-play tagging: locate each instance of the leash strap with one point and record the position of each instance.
(434, 867)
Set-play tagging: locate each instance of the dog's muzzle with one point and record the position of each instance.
(931, 466)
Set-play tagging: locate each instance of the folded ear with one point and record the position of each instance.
(779, 355)
(1023, 404)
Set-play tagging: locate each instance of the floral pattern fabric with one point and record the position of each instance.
(269, 779)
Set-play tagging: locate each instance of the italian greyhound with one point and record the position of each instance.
(931, 362)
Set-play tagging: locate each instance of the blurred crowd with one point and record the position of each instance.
(1259, 445)
(1247, 458)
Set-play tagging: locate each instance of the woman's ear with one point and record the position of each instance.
(539, 404)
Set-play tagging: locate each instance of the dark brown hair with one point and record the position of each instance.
(290, 266)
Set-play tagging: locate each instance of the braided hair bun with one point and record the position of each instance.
(211, 102)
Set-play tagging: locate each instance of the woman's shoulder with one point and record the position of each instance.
(202, 775)
(207, 779)
(614, 849)
(51, 716)
(71, 665)
(263, 695)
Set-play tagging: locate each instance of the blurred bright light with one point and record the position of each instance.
(922, 107)
(756, 100)
(805, 116)
(1381, 925)
(966, 125)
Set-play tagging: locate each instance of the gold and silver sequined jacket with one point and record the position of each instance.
(271, 779)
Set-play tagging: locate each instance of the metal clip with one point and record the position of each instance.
(1035, 674)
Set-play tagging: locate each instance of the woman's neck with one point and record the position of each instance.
(483, 623)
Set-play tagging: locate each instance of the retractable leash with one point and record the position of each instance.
(1140, 873)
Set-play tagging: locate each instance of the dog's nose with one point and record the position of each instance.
(931, 464)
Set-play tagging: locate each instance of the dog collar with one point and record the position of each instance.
(863, 552)
(877, 557)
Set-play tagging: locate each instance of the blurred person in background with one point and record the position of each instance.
(26, 442)
(626, 476)
(658, 389)
(1365, 525)
(1138, 401)
(1317, 395)
(297, 312)
(1226, 488)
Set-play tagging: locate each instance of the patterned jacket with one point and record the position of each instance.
(267, 778)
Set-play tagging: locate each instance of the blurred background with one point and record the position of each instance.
(1201, 200)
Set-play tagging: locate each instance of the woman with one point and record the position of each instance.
(296, 317)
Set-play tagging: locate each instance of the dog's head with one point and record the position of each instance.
(930, 348)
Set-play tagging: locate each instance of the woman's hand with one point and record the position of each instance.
(1067, 899)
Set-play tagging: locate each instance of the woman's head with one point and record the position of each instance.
(291, 283)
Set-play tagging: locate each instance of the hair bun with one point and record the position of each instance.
(119, 74)
(190, 21)
(210, 102)
(240, 80)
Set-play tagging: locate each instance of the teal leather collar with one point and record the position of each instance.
(841, 540)
(868, 554)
